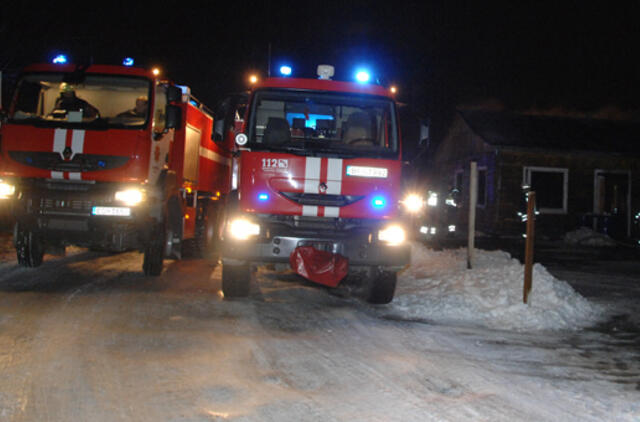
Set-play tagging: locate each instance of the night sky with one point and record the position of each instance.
(569, 54)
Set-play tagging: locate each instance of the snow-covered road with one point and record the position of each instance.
(87, 337)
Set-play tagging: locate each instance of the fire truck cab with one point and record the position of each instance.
(112, 158)
(317, 175)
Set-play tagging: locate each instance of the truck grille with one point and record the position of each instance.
(65, 207)
(323, 200)
(80, 162)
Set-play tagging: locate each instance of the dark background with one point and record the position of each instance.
(574, 56)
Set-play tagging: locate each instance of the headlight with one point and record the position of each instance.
(242, 229)
(130, 197)
(6, 190)
(393, 235)
(413, 203)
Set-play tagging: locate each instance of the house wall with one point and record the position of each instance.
(455, 154)
(580, 196)
(505, 171)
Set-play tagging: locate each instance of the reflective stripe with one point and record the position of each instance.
(310, 210)
(331, 211)
(59, 140)
(312, 175)
(77, 142)
(334, 177)
(214, 156)
(75, 176)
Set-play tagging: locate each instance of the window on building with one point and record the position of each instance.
(551, 187)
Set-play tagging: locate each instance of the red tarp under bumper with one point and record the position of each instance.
(319, 266)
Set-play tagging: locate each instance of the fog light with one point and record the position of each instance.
(242, 229)
(393, 235)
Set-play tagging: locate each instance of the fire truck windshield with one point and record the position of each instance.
(104, 100)
(308, 123)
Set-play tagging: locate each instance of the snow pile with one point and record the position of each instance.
(586, 237)
(438, 287)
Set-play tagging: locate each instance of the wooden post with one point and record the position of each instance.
(473, 200)
(528, 252)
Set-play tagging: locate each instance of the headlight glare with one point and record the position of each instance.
(6, 190)
(242, 229)
(130, 197)
(413, 203)
(393, 234)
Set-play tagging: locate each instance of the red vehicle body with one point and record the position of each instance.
(318, 172)
(125, 162)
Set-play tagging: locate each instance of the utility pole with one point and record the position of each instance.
(528, 251)
(473, 200)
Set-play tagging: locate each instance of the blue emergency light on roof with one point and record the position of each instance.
(285, 70)
(263, 197)
(378, 202)
(127, 61)
(362, 76)
(60, 59)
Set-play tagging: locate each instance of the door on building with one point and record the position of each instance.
(612, 201)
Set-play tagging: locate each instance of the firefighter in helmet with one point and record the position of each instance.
(68, 101)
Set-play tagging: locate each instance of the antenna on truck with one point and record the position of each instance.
(269, 61)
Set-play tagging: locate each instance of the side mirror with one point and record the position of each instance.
(174, 117)
(174, 94)
(218, 130)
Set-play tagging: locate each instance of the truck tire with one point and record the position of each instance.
(29, 247)
(236, 280)
(154, 251)
(206, 240)
(381, 286)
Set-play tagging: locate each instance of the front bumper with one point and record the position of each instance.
(358, 249)
(62, 213)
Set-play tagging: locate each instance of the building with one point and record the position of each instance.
(584, 171)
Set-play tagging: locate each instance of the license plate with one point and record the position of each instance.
(112, 211)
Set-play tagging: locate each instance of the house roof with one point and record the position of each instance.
(556, 133)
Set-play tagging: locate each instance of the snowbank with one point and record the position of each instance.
(586, 237)
(438, 287)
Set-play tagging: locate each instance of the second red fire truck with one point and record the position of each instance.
(112, 158)
(317, 181)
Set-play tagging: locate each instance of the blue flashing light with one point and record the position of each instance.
(378, 202)
(263, 197)
(363, 76)
(285, 70)
(60, 59)
(127, 61)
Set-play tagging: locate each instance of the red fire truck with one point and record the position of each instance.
(112, 158)
(317, 180)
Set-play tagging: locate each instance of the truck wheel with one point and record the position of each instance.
(381, 287)
(29, 247)
(235, 280)
(207, 233)
(154, 251)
